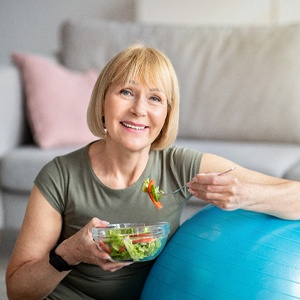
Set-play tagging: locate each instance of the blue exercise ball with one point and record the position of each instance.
(228, 255)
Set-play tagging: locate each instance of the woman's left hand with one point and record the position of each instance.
(222, 191)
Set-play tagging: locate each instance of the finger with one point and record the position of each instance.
(213, 193)
(229, 206)
(120, 267)
(95, 222)
(226, 201)
(210, 179)
(216, 189)
(215, 185)
(113, 266)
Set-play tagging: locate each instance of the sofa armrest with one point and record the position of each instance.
(13, 129)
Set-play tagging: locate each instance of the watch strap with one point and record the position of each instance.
(58, 262)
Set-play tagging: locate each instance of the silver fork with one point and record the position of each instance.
(176, 191)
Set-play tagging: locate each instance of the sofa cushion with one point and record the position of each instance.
(293, 172)
(237, 83)
(268, 158)
(56, 101)
(20, 166)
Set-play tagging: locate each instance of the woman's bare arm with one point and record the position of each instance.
(245, 189)
(29, 274)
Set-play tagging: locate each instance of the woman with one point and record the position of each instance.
(134, 110)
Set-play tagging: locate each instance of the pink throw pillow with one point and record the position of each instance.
(56, 101)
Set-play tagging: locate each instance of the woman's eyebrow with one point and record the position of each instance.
(156, 90)
(131, 81)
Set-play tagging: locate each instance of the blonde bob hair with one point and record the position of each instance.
(148, 66)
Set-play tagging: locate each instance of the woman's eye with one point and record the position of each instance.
(126, 92)
(155, 99)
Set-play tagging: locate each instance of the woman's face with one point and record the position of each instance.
(134, 114)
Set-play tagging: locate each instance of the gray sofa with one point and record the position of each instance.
(240, 98)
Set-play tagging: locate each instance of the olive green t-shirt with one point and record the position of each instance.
(70, 185)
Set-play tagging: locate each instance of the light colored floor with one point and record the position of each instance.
(7, 240)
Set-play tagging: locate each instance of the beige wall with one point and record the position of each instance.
(217, 12)
(33, 25)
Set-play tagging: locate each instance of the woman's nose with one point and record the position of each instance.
(139, 107)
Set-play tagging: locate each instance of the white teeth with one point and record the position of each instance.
(133, 127)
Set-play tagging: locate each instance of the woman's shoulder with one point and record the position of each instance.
(177, 151)
(175, 157)
(67, 161)
(74, 155)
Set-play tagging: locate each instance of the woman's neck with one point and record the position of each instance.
(115, 167)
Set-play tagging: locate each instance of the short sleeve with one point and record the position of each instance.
(50, 183)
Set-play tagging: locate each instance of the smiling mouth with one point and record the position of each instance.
(133, 126)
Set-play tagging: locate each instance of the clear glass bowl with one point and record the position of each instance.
(132, 241)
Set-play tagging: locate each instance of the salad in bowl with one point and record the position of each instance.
(132, 241)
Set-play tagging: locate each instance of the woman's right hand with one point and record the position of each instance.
(81, 248)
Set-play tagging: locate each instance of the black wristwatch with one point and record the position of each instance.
(58, 262)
